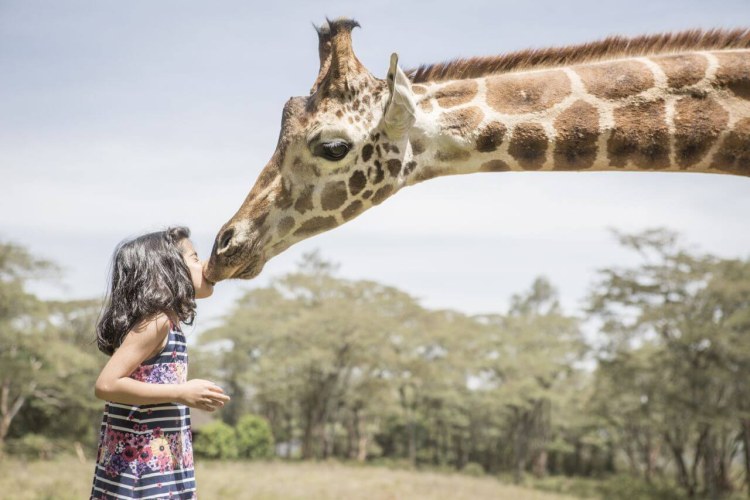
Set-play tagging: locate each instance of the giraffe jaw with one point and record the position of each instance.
(250, 271)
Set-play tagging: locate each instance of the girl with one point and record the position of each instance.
(145, 446)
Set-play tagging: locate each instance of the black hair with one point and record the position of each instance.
(148, 276)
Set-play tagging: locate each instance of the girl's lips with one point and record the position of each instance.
(212, 283)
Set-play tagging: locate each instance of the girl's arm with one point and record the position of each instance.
(114, 383)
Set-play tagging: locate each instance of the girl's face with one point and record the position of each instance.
(203, 287)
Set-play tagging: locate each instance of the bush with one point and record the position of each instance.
(216, 440)
(254, 437)
(473, 469)
(616, 487)
(627, 487)
(33, 446)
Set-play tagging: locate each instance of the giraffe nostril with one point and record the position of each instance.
(226, 238)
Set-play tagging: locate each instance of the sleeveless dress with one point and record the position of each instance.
(146, 451)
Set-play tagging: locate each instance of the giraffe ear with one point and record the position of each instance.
(400, 109)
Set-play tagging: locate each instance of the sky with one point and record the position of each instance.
(118, 118)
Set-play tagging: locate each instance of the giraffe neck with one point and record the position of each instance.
(686, 112)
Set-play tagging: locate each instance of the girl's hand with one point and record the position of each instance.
(202, 394)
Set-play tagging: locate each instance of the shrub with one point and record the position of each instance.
(473, 469)
(627, 487)
(33, 446)
(254, 437)
(216, 440)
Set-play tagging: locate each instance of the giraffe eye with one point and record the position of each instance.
(333, 150)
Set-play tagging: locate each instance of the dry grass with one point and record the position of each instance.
(67, 478)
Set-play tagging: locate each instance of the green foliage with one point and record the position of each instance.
(216, 440)
(47, 360)
(674, 361)
(654, 405)
(354, 368)
(473, 469)
(254, 437)
(616, 487)
(622, 487)
(33, 446)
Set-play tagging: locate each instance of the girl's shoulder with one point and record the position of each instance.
(160, 322)
(152, 332)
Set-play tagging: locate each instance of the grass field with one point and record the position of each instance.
(67, 478)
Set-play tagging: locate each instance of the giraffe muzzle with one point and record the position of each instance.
(234, 255)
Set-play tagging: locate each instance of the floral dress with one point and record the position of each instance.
(146, 451)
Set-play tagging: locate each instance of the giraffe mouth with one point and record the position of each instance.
(251, 270)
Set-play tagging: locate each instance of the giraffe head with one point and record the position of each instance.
(340, 151)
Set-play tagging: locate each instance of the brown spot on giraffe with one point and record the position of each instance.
(490, 137)
(734, 72)
(366, 195)
(461, 121)
(426, 173)
(304, 202)
(734, 153)
(616, 80)
(409, 167)
(284, 198)
(259, 222)
(382, 194)
(426, 105)
(576, 130)
(367, 152)
(640, 135)
(333, 195)
(393, 166)
(682, 70)
(375, 173)
(516, 94)
(494, 166)
(698, 123)
(417, 147)
(528, 145)
(315, 225)
(352, 210)
(419, 89)
(357, 182)
(285, 225)
(455, 93)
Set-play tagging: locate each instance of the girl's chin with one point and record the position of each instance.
(206, 291)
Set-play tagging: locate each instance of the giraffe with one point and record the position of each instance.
(674, 102)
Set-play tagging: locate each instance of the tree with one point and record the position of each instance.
(674, 334)
(303, 344)
(47, 356)
(20, 346)
(530, 354)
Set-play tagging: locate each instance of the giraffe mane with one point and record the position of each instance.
(608, 48)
